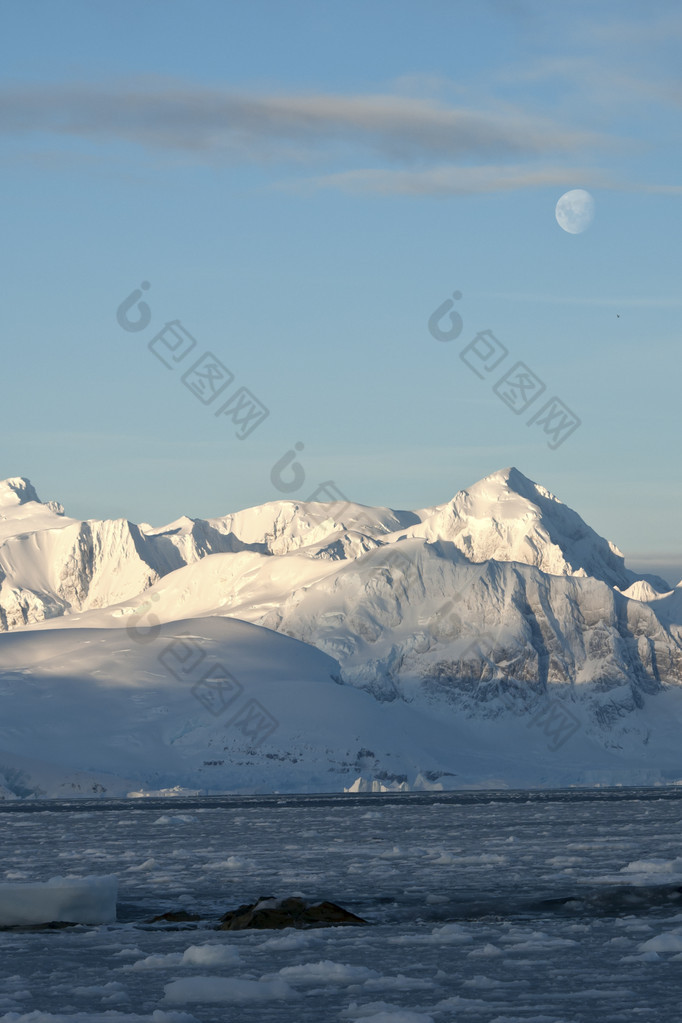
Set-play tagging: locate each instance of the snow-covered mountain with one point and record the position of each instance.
(52, 565)
(507, 517)
(474, 618)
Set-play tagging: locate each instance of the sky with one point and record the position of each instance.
(303, 188)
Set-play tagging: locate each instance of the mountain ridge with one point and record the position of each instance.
(543, 532)
(491, 614)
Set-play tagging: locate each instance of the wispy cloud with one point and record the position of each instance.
(420, 145)
(586, 83)
(216, 122)
(456, 180)
(660, 189)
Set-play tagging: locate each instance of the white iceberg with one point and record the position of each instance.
(76, 900)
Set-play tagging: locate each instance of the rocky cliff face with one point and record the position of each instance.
(479, 634)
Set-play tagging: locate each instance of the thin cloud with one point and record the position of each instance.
(455, 180)
(214, 122)
(661, 189)
(449, 180)
(587, 80)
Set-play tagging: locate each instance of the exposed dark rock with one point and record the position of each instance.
(271, 913)
(179, 916)
(53, 925)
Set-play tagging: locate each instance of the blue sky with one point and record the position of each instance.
(302, 185)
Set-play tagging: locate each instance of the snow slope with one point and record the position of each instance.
(507, 517)
(417, 613)
(472, 619)
(102, 712)
(52, 565)
(150, 709)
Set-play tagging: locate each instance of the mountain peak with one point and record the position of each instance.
(511, 481)
(508, 517)
(510, 475)
(17, 490)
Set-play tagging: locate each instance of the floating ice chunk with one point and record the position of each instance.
(481, 981)
(227, 990)
(484, 859)
(401, 1016)
(210, 955)
(147, 865)
(642, 872)
(109, 993)
(177, 790)
(158, 1016)
(366, 785)
(231, 863)
(326, 971)
(179, 818)
(445, 935)
(486, 951)
(76, 900)
(653, 866)
(170, 961)
(464, 1004)
(294, 940)
(454, 933)
(398, 983)
(395, 853)
(670, 941)
(642, 957)
(360, 1012)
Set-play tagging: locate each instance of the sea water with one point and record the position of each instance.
(541, 907)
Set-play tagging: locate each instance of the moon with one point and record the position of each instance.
(574, 211)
